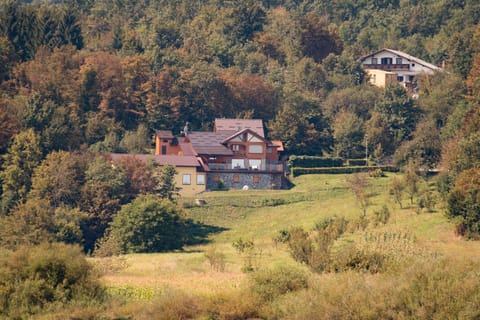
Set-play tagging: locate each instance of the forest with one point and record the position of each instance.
(80, 79)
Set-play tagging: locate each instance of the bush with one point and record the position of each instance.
(377, 173)
(357, 162)
(314, 162)
(382, 215)
(172, 305)
(269, 284)
(341, 170)
(149, 224)
(216, 259)
(38, 278)
(351, 258)
(427, 201)
(283, 236)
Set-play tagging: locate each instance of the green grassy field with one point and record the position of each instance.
(259, 216)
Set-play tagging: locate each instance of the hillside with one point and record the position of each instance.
(421, 238)
(82, 79)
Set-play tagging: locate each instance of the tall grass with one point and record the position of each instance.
(429, 273)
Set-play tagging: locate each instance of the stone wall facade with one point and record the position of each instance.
(238, 180)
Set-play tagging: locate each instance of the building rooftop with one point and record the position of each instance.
(164, 134)
(209, 142)
(177, 161)
(404, 55)
(235, 125)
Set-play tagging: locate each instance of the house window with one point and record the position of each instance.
(256, 179)
(255, 163)
(255, 148)
(269, 150)
(235, 147)
(374, 61)
(400, 78)
(238, 164)
(186, 179)
(200, 179)
(399, 60)
(236, 178)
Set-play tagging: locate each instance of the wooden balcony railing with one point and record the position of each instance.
(388, 67)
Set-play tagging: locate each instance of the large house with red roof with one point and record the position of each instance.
(235, 155)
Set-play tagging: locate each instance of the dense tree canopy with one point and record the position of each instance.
(81, 78)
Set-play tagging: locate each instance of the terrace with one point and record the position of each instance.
(242, 166)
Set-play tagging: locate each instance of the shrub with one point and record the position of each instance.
(273, 202)
(268, 284)
(351, 258)
(238, 304)
(427, 201)
(149, 224)
(340, 170)
(283, 236)
(37, 278)
(172, 305)
(108, 246)
(377, 173)
(382, 215)
(216, 259)
(247, 249)
(333, 227)
(300, 245)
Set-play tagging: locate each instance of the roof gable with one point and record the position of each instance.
(245, 135)
(403, 55)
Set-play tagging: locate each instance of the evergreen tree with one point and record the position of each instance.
(166, 183)
(17, 169)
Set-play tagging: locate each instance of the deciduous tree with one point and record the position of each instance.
(149, 224)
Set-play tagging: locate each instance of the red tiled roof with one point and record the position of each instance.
(239, 124)
(178, 161)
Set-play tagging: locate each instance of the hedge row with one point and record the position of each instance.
(299, 171)
(314, 162)
(356, 162)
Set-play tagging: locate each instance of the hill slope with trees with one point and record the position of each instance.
(80, 79)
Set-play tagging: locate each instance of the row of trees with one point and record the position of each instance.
(70, 197)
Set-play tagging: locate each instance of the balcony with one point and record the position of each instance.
(270, 166)
(388, 67)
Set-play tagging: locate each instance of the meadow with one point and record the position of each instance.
(421, 242)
